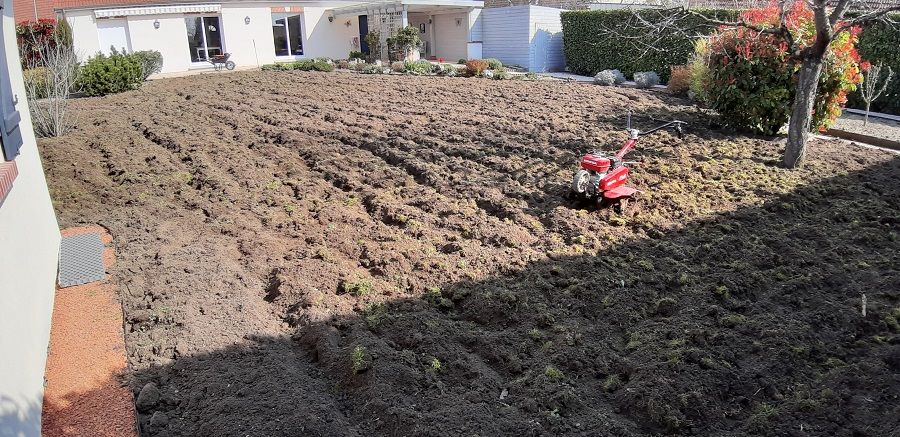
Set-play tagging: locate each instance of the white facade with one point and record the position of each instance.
(529, 36)
(29, 251)
(329, 28)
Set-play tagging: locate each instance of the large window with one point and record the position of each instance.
(287, 32)
(204, 37)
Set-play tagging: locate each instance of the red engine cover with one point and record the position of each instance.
(595, 163)
(615, 178)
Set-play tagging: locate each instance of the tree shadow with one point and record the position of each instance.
(745, 323)
(17, 419)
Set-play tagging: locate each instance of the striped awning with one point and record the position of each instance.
(156, 10)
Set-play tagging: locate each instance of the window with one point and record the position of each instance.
(10, 134)
(204, 36)
(287, 31)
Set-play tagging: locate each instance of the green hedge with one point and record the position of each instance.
(879, 43)
(589, 48)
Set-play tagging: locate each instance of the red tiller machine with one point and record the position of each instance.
(603, 177)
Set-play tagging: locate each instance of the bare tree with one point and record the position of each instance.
(870, 89)
(49, 79)
(831, 18)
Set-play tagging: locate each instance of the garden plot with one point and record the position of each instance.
(314, 254)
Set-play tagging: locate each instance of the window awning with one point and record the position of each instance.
(156, 10)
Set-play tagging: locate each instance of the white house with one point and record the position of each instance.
(262, 32)
(29, 250)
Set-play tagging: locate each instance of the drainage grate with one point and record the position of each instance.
(81, 260)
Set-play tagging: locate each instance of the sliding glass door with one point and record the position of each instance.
(287, 31)
(204, 37)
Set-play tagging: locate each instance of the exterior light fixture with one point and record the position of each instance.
(247, 20)
(156, 24)
(331, 18)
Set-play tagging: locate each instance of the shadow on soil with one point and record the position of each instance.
(748, 322)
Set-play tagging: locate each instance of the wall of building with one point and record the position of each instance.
(545, 40)
(29, 250)
(506, 35)
(170, 39)
(249, 44)
(451, 40)
(32, 10)
(529, 36)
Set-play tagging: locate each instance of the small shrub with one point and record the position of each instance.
(553, 372)
(679, 80)
(398, 66)
(357, 287)
(271, 67)
(151, 62)
(343, 64)
(646, 79)
(355, 54)
(612, 383)
(102, 75)
(419, 68)
(476, 67)
(461, 61)
(500, 73)
(369, 69)
(609, 77)
(435, 365)
(493, 63)
(359, 360)
(37, 77)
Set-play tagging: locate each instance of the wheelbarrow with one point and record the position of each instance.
(221, 61)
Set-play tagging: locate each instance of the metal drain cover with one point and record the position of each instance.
(81, 260)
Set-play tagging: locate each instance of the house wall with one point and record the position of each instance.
(29, 250)
(170, 39)
(506, 35)
(416, 20)
(451, 40)
(545, 40)
(529, 36)
(249, 44)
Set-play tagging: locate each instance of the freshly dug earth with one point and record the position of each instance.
(341, 255)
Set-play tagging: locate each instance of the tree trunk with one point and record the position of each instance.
(802, 111)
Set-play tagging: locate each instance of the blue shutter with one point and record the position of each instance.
(10, 134)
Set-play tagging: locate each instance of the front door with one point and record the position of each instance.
(204, 36)
(363, 31)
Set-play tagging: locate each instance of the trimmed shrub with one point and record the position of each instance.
(398, 66)
(476, 67)
(318, 64)
(102, 75)
(493, 63)
(151, 62)
(878, 44)
(609, 77)
(461, 61)
(646, 79)
(679, 80)
(589, 48)
(751, 76)
(355, 54)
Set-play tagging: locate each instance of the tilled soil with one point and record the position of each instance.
(341, 255)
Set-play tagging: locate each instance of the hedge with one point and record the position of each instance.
(589, 48)
(879, 43)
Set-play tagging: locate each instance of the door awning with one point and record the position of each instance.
(156, 10)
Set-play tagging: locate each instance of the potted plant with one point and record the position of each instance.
(407, 41)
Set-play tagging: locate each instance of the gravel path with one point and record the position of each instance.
(877, 127)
